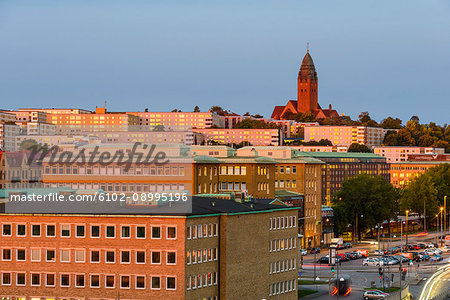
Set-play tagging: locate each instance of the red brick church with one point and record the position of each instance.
(307, 100)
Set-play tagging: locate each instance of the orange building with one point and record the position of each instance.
(403, 172)
(206, 254)
(307, 95)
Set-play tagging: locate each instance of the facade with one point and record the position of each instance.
(401, 153)
(403, 172)
(149, 137)
(8, 133)
(179, 121)
(307, 95)
(232, 119)
(21, 170)
(2, 169)
(203, 255)
(303, 148)
(55, 140)
(340, 166)
(254, 137)
(346, 135)
(76, 122)
(301, 175)
(116, 177)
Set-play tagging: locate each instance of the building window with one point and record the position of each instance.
(171, 258)
(156, 257)
(95, 231)
(156, 283)
(50, 280)
(65, 230)
(51, 231)
(95, 256)
(65, 255)
(20, 279)
(125, 232)
(50, 255)
(65, 280)
(95, 281)
(109, 281)
(6, 231)
(124, 282)
(140, 282)
(21, 230)
(140, 232)
(140, 257)
(170, 283)
(125, 257)
(110, 257)
(35, 254)
(79, 280)
(35, 230)
(171, 232)
(80, 256)
(6, 254)
(21, 255)
(6, 279)
(80, 231)
(110, 231)
(156, 232)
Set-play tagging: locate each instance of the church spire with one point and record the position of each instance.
(307, 69)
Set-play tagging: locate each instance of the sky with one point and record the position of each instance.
(390, 58)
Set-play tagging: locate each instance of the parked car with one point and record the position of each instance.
(389, 260)
(351, 255)
(374, 294)
(371, 262)
(303, 252)
(415, 247)
(323, 260)
(422, 245)
(314, 250)
(436, 258)
(446, 249)
(431, 245)
(348, 245)
(402, 258)
(342, 256)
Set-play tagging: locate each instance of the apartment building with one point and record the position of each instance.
(56, 140)
(340, 166)
(401, 153)
(346, 135)
(179, 121)
(304, 148)
(8, 133)
(252, 176)
(206, 254)
(254, 137)
(403, 172)
(22, 170)
(2, 169)
(117, 176)
(150, 137)
(78, 121)
(301, 175)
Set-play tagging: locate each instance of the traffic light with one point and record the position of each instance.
(380, 271)
(332, 270)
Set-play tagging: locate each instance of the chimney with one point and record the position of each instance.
(329, 107)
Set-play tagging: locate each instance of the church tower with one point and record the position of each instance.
(307, 83)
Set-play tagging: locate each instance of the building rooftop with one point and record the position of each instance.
(339, 155)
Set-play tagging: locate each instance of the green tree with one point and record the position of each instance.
(196, 109)
(391, 123)
(355, 147)
(366, 199)
(28, 144)
(159, 128)
(305, 117)
(254, 124)
(420, 195)
(218, 110)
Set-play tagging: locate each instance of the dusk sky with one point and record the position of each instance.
(391, 58)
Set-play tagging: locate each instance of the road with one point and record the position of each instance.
(436, 285)
(364, 276)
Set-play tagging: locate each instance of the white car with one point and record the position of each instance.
(446, 249)
(371, 262)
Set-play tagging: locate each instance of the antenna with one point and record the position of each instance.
(307, 47)
(105, 103)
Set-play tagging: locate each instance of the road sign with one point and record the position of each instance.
(299, 274)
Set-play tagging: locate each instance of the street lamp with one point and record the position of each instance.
(442, 210)
(407, 212)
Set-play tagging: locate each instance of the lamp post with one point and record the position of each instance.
(441, 231)
(407, 212)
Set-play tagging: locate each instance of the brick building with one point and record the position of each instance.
(340, 166)
(307, 95)
(206, 254)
